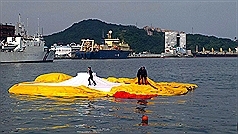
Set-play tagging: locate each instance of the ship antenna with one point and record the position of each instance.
(42, 31)
(17, 32)
(19, 18)
(102, 33)
(103, 37)
(27, 26)
(38, 32)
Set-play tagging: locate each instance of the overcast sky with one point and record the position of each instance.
(207, 17)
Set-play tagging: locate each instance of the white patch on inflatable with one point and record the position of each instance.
(82, 79)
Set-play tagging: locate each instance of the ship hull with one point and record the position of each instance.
(103, 54)
(18, 57)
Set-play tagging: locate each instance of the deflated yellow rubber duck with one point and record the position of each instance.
(63, 85)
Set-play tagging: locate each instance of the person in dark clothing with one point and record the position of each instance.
(90, 76)
(139, 75)
(144, 75)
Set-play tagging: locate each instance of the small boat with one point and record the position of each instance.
(144, 55)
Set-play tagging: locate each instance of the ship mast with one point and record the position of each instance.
(38, 31)
(20, 28)
(103, 38)
(26, 26)
(18, 25)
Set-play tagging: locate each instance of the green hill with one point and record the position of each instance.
(209, 42)
(137, 38)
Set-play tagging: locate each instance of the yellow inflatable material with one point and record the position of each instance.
(53, 77)
(159, 88)
(128, 85)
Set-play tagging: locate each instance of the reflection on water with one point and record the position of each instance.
(33, 114)
(36, 114)
(82, 115)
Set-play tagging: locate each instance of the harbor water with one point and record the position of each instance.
(210, 108)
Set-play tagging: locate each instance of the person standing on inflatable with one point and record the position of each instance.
(90, 76)
(139, 75)
(144, 75)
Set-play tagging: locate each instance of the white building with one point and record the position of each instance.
(175, 42)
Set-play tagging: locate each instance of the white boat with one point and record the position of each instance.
(24, 48)
(65, 51)
(144, 55)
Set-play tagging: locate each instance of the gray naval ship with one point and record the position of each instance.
(24, 48)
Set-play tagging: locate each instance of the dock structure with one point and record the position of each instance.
(214, 53)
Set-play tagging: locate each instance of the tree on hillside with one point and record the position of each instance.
(137, 38)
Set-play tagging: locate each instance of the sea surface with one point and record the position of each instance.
(209, 109)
